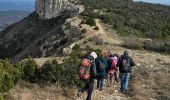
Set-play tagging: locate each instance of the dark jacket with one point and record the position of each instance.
(101, 73)
(120, 64)
(93, 71)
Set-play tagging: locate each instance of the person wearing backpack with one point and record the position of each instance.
(125, 64)
(87, 73)
(112, 69)
(101, 64)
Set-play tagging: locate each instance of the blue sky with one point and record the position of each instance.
(166, 2)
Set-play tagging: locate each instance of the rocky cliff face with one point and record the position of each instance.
(52, 8)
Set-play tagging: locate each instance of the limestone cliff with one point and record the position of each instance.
(52, 8)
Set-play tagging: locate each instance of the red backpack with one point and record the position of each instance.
(84, 69)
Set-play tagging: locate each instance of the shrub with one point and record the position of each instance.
(96, 28)
(84, 31)
(29, 70)
(99, 41)
(157, 45)
(133, 43)
(48, 72)
(90, 21)
(9, 75)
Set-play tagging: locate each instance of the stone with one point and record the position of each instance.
(48, 9)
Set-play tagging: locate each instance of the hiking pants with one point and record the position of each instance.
(89, 87)
(100, 82)
(110, 79)
(124, 81)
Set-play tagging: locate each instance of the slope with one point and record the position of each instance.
(37, 37)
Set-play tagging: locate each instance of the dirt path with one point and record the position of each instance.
(108, 93)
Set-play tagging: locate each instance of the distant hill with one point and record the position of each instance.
(9, 17)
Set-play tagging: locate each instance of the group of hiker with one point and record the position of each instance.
(105, 65)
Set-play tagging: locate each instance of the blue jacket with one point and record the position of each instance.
(101, 73)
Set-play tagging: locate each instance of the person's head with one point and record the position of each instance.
(125, 53)
(111, 55)
(93, 54)
(116, 55)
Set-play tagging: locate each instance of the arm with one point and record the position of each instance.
(132, 63)
(94, 70)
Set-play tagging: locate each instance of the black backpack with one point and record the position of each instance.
(125, 64)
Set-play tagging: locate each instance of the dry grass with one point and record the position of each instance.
(28, 91)
(148, 83)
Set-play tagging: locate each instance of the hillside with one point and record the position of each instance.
(9, 17)
(37, 37)
(131, 18)
(144, 84)
(31, 36)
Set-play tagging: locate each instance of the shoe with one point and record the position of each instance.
(125, 92)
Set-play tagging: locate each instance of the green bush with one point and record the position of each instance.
(9, 75)
(48, 73)
(29, 70)
(90, 21)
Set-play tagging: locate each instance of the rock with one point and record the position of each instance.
(48, 9)
(139, 64)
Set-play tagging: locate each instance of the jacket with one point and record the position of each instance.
(120, 64)
(101, 73)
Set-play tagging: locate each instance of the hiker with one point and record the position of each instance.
(101, 65)
(112, 69)
(88, 75)
(108, 53)
(125, 64)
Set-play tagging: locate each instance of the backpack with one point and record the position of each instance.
(101, 66)
(113, 67)
(114, 61)
(125, 64)
(84, 69)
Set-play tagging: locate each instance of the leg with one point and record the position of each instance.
(122, 76)
(108, 80)
(116, 77)
(90, 91)
(84, 88)
(101, 83)
(126, 81)
(98, 83)
(111, 79)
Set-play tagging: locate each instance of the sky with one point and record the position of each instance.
(165, 2)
